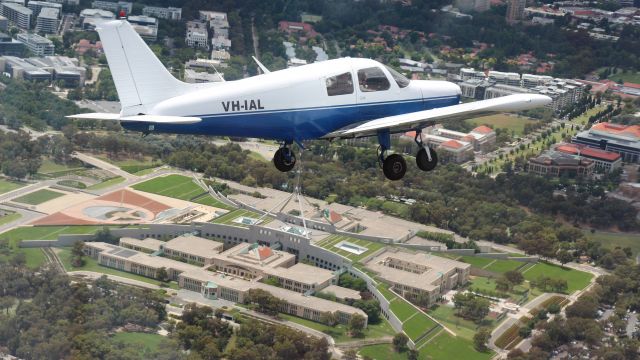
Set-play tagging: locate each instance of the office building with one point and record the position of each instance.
(19, 68)
(169, 13)
(37, 45)
(47, 21)
(9, 46)
(115, 7)
(4, 23)
(37, 6)
(145, 26)
(605, 161)
(197, 35)
(515, 10)
(17, 14)
(192, 249)
(505, 78)
(552, 163)
(63, 69)
(90, 18)
(197, 77)
(621, 139)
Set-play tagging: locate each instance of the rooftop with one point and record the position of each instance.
(342, 292)
(148, 243)
(629, 132)
(582, 150)
(255, 255)
(550, 157)
(303, 273)
(190, 244)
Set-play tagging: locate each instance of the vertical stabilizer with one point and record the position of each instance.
(140, 78)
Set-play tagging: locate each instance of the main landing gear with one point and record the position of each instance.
(284, 159)
(394, 167)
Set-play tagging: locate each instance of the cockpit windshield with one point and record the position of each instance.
(400, 79)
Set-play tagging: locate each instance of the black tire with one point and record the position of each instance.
(394, 167)
(422, 160)
(281, 162)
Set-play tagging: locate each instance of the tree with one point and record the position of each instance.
(162, 274)
(77, 254)
(356, 325)
(400, 341)
(514, 277)
(564, 257)
(480, 339)
(6, 302)
(329, 318)
(350, 354)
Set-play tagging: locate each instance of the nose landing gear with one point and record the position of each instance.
(284, 159)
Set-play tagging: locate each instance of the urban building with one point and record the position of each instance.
(17, 14)
(515, 10)
(552, 163)
(148, 245)
(116, 7)
(92, 17)
(47, 21)
(218, 286)
(204, 64)
(37, 6)
(10, 46)
(4, 23)
(192, 249)
(605, 161)
(197, 35)
(67, 2)
(530, 81)
(482, 138)
(84, 45)
(145, 26)
(221, 43)
(418, 277)
(169, 13)
(38, 45)
(505, 78)
(206, 15)
(62, 68)
(621, 139)
(19, 68)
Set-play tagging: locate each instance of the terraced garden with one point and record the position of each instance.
(180, 187)
(228, 218)
(38, 197)
(329, 243)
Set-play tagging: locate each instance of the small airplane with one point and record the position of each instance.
(334, 99)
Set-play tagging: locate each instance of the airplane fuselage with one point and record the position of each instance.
(300, 103)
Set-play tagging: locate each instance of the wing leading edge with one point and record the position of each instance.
(420, 119)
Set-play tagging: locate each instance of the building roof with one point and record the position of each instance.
(628, 131)
(550, 157)
(342, 292)
(148, 243)
(483, 129)
(194, 245)
(433, 268)
(302, 273)
(452, 144)
(252, 255)
(137, 257)
(582, 150)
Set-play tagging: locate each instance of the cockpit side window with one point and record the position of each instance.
(340, 84)
(372, 79)
(400, 79)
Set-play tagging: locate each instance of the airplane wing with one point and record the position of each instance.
(420, 119)
(157, 119)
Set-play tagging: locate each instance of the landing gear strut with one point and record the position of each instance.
(427, 158)
(393, 166)
(284, 159)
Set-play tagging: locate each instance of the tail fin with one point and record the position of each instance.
(140, 78)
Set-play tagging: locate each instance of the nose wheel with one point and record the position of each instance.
(284, 159)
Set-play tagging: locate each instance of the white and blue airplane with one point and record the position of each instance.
(334, 99)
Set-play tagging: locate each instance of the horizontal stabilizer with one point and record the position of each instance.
(157, 119)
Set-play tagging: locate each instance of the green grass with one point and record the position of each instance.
(8, 185)
(462, 327)
(445, 346)
(146, 344)
(107, 183)
(627, 76)
(92, 265)
(132, 166)
(73, 184)
(227, 219)
(329, 243)
(418, 325)
(38, 197)
(9, 218)
(576, 280)
(613, 240)
(339, 332)
(382, 352)
(402, 309)
(179, 187)
(51, 168)
(145, 171)
(511, 123)
(384, 289)
(502, 266)
(479, 262)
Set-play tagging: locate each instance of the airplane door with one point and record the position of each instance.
(375, 92)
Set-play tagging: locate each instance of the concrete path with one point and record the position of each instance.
(92, 160)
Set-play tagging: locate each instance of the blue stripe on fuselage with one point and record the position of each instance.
(293, 124)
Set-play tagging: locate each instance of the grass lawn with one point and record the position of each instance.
(339, 332)
(511, 123)
(51, 168)
(7, 185)
(228, 218)
(419, 325)
(179, 187)
(38, 197)
(462, 327)
(382, 352)
(627, 76)
(445, 346)
(402, 309)
(132, 166)
(35, 257)
(147, 344)
(329, 243)
(92, 265)
(479, 262)
(9, 218)
(576, 280)
(613, 240)
(502, 266)
(107, 183)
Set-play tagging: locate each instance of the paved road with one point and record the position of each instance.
(26, 217)
(92, 160)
